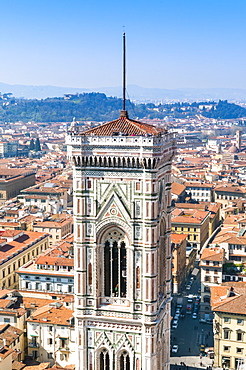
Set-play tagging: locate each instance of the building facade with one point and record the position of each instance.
(16, 248)
(47, 274)
(51, 335)
(194, 223)
(178, 248)
(211, 266)
(228, 305)
(122, 199)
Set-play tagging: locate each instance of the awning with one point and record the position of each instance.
(195, 272)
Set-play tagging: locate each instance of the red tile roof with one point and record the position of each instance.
(177, 188)
(58, 261)
(178, 238)
(213, 254)
(125, 126)
(229, 298)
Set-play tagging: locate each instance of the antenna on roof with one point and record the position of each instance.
(124, 73)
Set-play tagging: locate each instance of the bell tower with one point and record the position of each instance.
(122, 199)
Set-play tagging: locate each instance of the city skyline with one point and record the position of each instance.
(78, 44)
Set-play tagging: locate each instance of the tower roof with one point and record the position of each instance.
(123, 126)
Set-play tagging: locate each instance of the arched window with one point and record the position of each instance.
(137, 364)
(115, 265)
(138, 277)
(206, 299)
(104, 360)
(90, 274)
(124, 361)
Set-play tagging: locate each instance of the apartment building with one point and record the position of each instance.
(178, 247)
(58, 226)
(13, 338)
(224, 194)
(211, 207)
(194, 223)
(48, 273)
(200, 191)
(49, 197)
(51, 334)
(228, 306)
(12, 181)
(211, 266)
(16, 248)
(233, 240)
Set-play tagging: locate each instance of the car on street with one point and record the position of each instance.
(176, 317)
(188, 287)
(175, 348)
(175, 324)
(194, 316)
(190, 298)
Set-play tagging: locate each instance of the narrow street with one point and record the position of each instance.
(190, 333)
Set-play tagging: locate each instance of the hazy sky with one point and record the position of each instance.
(78, 43)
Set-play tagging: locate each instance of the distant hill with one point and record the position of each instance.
(225, 110)
(99, 107)
(136, 93)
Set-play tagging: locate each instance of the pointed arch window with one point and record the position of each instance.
(104, 360)
(90, 274)
(138, 277)
(124, 361)
(115, 269)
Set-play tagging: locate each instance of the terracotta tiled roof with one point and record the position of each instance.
(42, 366)
(229, 298)
(230, 189)
(213, 254)
(9, 334)
(194, 217)
(198, 185)
(59, 315)
(16, 365)
(58, 261)
(178, 238)
(34, 303)
(20, 243)
(125, 126)
(5, 352)
(177, 188)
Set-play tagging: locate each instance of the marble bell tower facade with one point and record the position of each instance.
(122, 225)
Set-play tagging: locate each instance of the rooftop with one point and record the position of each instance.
(123, 126)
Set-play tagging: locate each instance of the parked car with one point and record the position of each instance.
(175, 324)
(194, 316)
(175, 348)
(188, 287)
(190, 298)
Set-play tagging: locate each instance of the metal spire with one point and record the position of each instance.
(124, 73)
